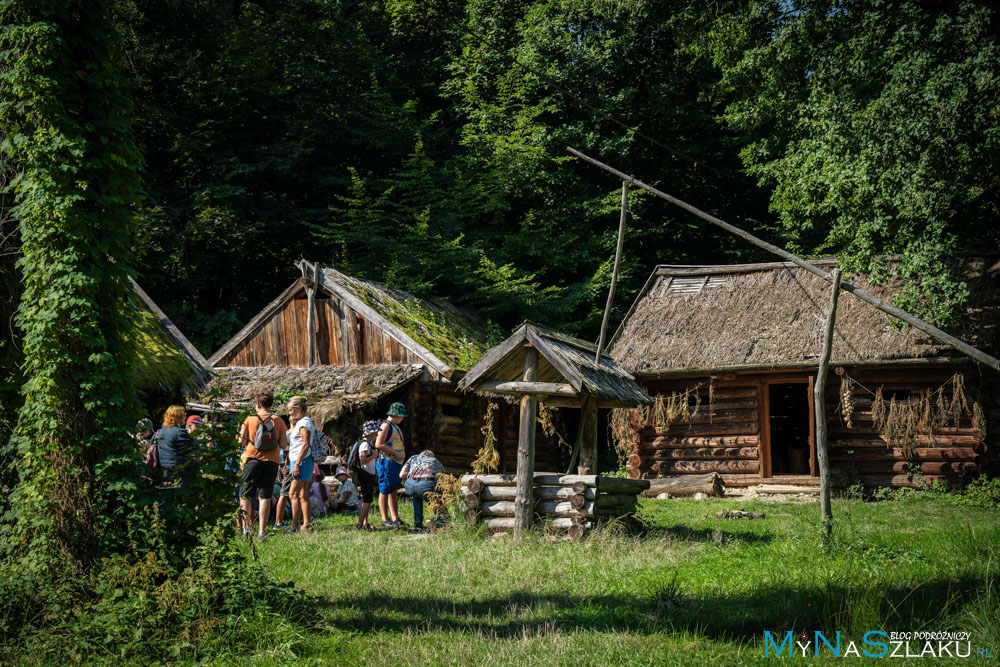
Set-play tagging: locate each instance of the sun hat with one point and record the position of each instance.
(371, 426)
(397, 410)
(193, 419)
(341, 470)
(145, 424)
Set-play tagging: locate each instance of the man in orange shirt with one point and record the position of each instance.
(264, 435)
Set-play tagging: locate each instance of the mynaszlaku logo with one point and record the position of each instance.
(873, 644)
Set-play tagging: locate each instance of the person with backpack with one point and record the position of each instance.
(300, 440)
(391, 454)
(420, 473)
(361, 460)
(264, 435)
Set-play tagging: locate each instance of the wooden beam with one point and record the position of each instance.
(663, 373)
(524, 507)
(553, 357)
(256, 323)
(899, 314)
(588, 438)
(819, 397)
(546, 388)
(614, 273)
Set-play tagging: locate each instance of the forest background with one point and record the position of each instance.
(203, 146)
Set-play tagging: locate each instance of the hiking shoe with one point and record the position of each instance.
(246, 533)
(261, 537)
(280, 526)
(290, 530)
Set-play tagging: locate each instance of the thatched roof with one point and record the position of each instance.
(770, 316)
(451, 337)
(562, 359)
(330, 390)
(164, 359)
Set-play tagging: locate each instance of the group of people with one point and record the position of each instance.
(277, 462)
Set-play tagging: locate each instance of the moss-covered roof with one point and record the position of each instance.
(453, 335)
(160, 362)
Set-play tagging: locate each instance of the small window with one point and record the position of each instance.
(450, 410)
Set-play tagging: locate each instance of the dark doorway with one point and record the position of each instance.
(789, 428)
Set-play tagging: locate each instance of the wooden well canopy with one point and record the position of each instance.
(567, 371)
(538, 362)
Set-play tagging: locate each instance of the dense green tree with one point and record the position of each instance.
(75, 166)
(875, 124)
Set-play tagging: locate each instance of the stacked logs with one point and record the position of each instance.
(573, 503)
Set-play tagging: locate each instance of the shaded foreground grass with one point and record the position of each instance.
(686, 589)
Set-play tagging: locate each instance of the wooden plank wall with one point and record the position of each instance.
(342, 338)
(449, 423)
(860, 450)
(729, 441)
(723, 441)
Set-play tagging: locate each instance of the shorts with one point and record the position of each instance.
(367, 482)
(258, 478)
(305, 469)
(388, 475)
(286, 484)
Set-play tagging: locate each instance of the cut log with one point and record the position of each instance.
(929, 468)
(562, 508)
(542, 479)
(577, 501)
(617, 500)
(688, 430)
(498, 493)
(699, 441)
(688, 453)
(900, 480)
(687, 485)
(497, 508)
(576, 532)
(897, 454)
(619, 485)
(475, 485)
(471, 516)
(471, 501)
(564, 492)
(564, 523)
(679, 467)
(499, 523)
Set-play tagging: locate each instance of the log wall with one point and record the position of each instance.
(343, 338)
(450, 423)
(729, 441)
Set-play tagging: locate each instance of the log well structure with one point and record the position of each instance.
(535, 363)
(743, 342)
(353, 347)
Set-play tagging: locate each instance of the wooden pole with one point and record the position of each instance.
(524, 510)
(819, 389)
(614, 272)
(311, 306)
(912, 320)
(588, 437)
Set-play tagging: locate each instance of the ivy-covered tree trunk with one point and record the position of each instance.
(62, 113)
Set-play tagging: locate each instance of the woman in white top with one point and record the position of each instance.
(300, 462)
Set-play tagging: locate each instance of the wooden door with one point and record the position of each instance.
(776, 463)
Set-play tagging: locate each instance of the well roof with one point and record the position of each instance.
(562, 359)
(770, 316)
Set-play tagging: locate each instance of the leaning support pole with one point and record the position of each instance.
(614, 272)
(916, 322)
(311, 307)
(523, 504)
(819, 391)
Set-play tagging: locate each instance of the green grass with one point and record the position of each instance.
(687, 589)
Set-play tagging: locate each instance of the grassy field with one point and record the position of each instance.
(686, 589)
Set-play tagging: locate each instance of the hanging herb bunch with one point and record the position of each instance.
(488, 459)
(847, 402)
(546, 417)
(901, 421)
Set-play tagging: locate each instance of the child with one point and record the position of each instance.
(347, 495)
(389, 444)
(367, 478)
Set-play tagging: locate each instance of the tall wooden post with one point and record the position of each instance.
(588, 437)
(311, 305)
(822, 460)
(524, 510)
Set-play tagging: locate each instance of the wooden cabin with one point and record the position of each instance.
(372, 345)
(730, 353)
